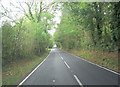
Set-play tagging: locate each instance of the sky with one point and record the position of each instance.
(6, 3)
(57, 20)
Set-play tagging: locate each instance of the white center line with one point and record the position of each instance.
(66, 64)
(62, 58)
(95, 64)
(78, 81)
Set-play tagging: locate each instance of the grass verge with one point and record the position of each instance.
(103, 58)
(15, 71)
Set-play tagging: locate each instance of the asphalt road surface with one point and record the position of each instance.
(63, 68)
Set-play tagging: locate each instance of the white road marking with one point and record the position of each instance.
(62, 58)
(53, 80)
(94, 64)
(66, 64)
(32, 72)
(101, 66)
(104, 68)
(78, 81)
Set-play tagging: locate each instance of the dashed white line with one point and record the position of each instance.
(32, 72)
(78, 81)
(62, 58)
(94, 64)
(66, 64)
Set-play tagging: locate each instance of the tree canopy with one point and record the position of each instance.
(29, 35)
(89, 25)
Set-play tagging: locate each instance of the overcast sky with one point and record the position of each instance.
(6, 4)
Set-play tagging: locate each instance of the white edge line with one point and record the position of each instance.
(32, 71)
(66, 64)
(78, 81)
(102, 67)
(95, 64)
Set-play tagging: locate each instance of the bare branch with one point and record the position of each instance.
(39, 12)
(32, 3)
(22, 7)
(30, 12)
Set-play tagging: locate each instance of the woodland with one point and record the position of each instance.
(92, 25)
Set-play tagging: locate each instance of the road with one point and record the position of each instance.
(63, 68)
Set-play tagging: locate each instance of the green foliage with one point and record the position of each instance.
(26, 39)
(89, 25)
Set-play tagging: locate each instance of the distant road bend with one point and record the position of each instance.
(63, 68)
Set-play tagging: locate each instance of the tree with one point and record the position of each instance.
(29, 35)
(90, 25)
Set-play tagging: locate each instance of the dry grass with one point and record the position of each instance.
(15, 71)
(103, 58)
